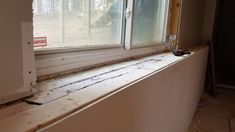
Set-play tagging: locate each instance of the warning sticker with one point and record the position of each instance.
(40, 41)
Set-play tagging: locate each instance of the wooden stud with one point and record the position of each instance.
(174, 13)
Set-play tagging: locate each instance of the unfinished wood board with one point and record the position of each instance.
(78, 83)
(6, 111)
(175, 16)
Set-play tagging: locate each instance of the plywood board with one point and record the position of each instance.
(64, 86)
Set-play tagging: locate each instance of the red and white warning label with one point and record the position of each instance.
(40, 41)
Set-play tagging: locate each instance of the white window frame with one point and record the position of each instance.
(56, 61)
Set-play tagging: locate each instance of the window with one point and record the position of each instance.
(76, 23)
(69, 23)
(73, 34)
(149, 22)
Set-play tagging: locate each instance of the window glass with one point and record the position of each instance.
(69, 23)
(149, 22)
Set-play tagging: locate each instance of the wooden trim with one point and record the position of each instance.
(174, 14)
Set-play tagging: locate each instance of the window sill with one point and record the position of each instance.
(63, 62)
(102, 82)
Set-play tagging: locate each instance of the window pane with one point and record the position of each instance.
(149, 22)
(66, 23)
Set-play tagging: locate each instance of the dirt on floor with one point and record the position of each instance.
(214, 113)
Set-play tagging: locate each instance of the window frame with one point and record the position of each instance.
(111, 53)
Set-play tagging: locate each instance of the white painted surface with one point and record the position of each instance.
(129, 24)
(15, 54)
(164, 102)
(29, 70)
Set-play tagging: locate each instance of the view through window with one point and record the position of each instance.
(69, 23)
(77, 23)
(149, 22)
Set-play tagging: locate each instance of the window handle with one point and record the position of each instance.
(128, 13)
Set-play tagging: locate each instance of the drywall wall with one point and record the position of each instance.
(164, 102)
(13, 15)
(209, 18)
(191, 25)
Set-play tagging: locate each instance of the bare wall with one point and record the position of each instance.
(209, 18)
(191, 25)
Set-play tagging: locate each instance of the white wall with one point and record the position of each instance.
(12, 13)
(164, 102)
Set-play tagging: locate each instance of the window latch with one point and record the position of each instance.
(128, 13)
